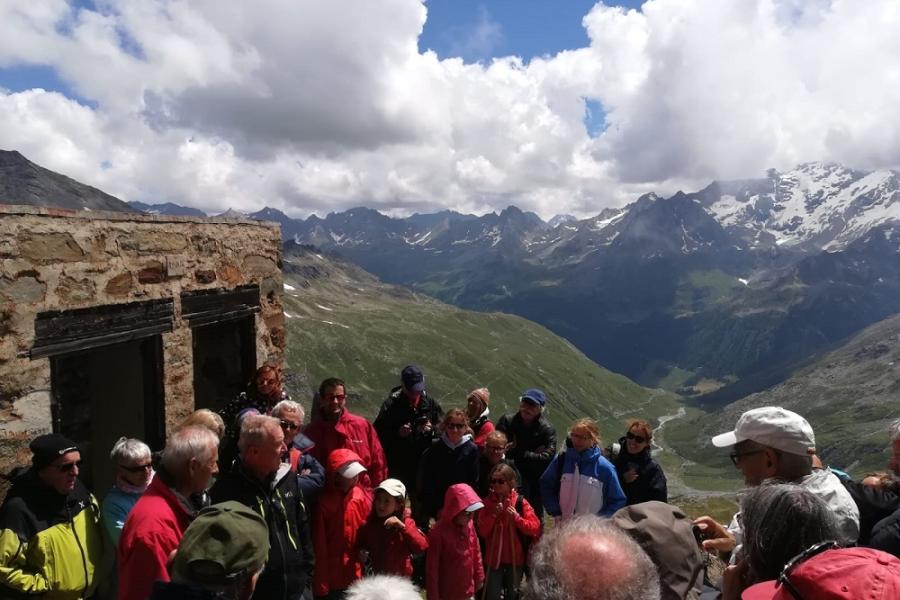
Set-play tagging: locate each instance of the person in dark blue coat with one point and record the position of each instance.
(452, 459)
(641, 477)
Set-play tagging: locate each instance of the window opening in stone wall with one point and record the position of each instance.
(104, 393)
(223, 323)
(224, 361)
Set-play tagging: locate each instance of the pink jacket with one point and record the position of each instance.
(153, 529)
(453, 564)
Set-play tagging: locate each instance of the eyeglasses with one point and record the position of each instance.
(263, 382)
(138, 468)
(579, 436)
(456, 426)
(289, 426)
(68, 467)
(638, 438)
(498, 481)
(737, 456)
(785, 577)
(495, 448)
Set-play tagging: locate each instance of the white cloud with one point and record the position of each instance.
(324, 104)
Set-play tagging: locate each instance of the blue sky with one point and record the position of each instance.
(477, 30)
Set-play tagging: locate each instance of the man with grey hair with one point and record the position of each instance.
(259, 480)
(590, 557)
(772, 442)
(157, 522)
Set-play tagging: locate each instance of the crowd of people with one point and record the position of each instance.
(255, 502)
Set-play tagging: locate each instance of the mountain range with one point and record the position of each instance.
(728, 287)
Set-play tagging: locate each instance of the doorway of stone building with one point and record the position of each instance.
(224, 361)
(104, 393)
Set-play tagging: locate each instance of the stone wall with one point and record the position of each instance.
(57, 260)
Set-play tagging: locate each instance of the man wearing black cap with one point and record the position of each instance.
(407, 424)
(50, 537)
(532, 443)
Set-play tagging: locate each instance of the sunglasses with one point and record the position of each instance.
(498, 481)
(289, 426)
(138, 468)
(737, 456)
(69, 467)
(338, 397)
(456, 426)
(785, 578)
(495, 448)
(638, 438)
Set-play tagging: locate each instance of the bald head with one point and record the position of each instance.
(589, 557)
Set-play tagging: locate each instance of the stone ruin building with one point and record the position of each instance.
(117, 324)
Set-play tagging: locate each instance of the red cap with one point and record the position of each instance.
(843, 573)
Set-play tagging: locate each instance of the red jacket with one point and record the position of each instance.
(153, 529)
(501, 530)
(390, 549)
(481, 435)
(453, 564)
(337, 520)
(352, 433)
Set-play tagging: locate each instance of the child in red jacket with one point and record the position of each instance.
(508, 525)
(341, 511)
(390, 536)
(453, 565)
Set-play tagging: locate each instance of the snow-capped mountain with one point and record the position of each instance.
(815, 205)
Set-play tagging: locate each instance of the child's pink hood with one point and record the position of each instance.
(458, 497)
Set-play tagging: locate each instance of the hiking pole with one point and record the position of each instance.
(512, 553)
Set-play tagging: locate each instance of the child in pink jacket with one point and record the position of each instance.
(453, 564)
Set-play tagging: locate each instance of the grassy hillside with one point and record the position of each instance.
(344, 322)
(849, 395)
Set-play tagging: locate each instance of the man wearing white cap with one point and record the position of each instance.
(772, 442)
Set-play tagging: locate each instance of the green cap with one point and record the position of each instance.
(225, 542)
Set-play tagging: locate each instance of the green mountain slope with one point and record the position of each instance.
(344, 322)
(848, 395)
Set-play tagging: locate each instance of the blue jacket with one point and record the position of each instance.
(591, 488)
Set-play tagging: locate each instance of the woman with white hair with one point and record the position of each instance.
(310, 472)
(134, 471)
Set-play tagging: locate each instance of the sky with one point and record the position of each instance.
(555, 106)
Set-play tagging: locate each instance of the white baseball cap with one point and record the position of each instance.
(394, 487)
(351, 470)
(771, 426)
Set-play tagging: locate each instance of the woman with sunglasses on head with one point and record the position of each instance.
(641, 477)
(451, 459)
(310, 472)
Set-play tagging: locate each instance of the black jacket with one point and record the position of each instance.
(886, 534)
(651, 481)
(403, 454)
(288, 571)
(532, 445)
(874, 505)
(442, 466)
